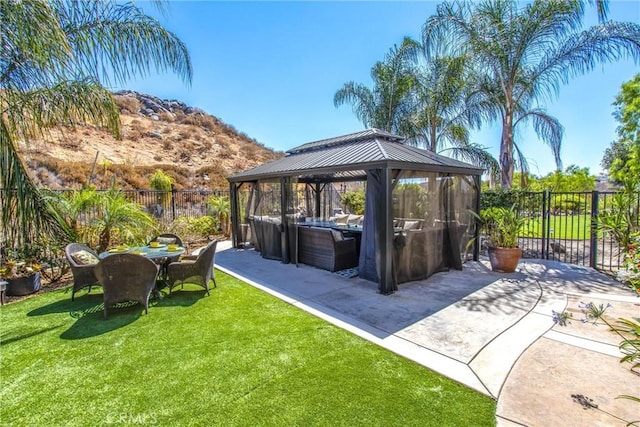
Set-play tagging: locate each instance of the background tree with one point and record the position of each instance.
(573, 179)
(622, 158)
(162, 183)
(388, 106)
(522, 54)
(53, 58)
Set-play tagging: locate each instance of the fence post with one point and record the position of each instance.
(544, 251)
(173, 202)
(593, 238)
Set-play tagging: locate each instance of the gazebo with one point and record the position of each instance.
(417, 207)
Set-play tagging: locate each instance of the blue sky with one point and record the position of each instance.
(271, 69)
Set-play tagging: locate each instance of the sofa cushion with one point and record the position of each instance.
(84, 258)
(337, 235)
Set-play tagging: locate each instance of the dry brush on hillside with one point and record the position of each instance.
(197, 149)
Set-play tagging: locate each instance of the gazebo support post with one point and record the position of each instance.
(235, 213)
(385, 227)
(317, 209)
(476, 233)
(285, 191)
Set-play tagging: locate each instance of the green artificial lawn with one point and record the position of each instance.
(574, 227)
(239, 357)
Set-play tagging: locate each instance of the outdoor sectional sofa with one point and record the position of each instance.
(326, 248)
(266, 234)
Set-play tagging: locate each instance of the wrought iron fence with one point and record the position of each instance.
(564, 227)
(561, 226)
(165, 206)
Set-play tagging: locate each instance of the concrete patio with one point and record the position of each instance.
(492, 332)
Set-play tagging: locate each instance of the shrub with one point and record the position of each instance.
(184, 155)
(127, 104)
(71, 142)
(629, 272)
(167, 117)
(500, 198)
(201, 120)
(354, 201)
(220, 208)
(133, 135)
(250, 151)
(185, 132)
(194, 228)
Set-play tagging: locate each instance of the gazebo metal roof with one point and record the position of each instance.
(347, 157)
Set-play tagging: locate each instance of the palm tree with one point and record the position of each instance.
(221, 210)
(121, 216)
(53, 58)
(427, 100)
(389, 105)
(446, 108)
(441, 118)
(73, 206)
(523, 55)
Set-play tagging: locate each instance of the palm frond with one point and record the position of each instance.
(519, 160)
(114, 42)
(580, 53)
(388, 105)
(66, 103)
(476, 155)
(35, 49)
(602, 7)
(25, 214)
(550, 130)
(53, 59)
(361, 99)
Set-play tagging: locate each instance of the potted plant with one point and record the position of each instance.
(501, 228)
(20, 268)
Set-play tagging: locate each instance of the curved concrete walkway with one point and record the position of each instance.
(492, 332)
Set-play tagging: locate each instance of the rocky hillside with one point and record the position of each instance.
(198, 150)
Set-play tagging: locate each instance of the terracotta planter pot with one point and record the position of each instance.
(504, 260)
(23, 285)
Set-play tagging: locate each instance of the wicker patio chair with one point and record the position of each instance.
(199, 271)
(168, 239)
(126, 277)
(83, 261)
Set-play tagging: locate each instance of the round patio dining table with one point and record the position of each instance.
(161, 255)
(162, 251)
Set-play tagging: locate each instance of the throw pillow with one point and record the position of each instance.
(354, 219)
(342, 219)
(84, 258)
(166, 240)
(410, 225)
(337, 235)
